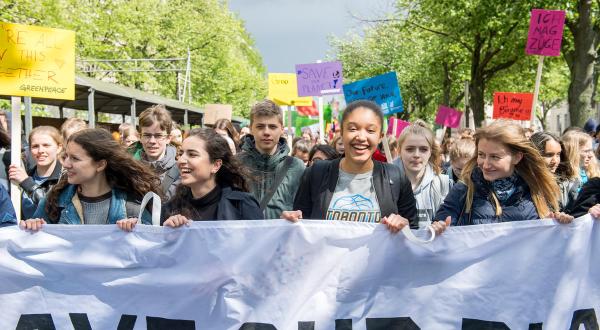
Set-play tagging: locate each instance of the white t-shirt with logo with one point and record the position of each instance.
(354, 199)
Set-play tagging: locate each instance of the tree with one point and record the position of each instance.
(226, 68)
(582, 55)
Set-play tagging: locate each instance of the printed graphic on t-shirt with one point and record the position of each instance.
(354, 208)
(424, 216)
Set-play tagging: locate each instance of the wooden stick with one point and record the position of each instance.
(536, 93)
(15, 151)
(386, 149)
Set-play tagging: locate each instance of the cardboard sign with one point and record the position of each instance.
(214, 112)
(37, 61)
(283, 90)
(316, 79)
(545, 32)
(382, 89)
(516, 106)
(396, 126)
(448, 117)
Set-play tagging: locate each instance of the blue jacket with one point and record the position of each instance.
(120, 208)
(7, 211)
(519, 205)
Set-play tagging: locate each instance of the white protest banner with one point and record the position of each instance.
(311, 275)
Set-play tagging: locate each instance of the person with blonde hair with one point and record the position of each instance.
(45, 145)
(338, 144)
(507, 180)
(418, 160)
(71, 126)
(460, 152)
(580, 152)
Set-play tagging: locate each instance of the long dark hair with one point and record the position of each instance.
(4, 138)
(231, 174)
(122, 171)
(564, 171)
(225, 124)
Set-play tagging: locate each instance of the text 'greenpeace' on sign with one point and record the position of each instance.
(37, 61)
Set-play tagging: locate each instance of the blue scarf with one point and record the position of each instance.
(505, 187)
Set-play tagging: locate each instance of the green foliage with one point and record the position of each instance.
(436, 45)
(226, 68)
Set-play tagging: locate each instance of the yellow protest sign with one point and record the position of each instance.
(283, 90)
(37, 61)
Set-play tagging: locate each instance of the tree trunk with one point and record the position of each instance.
(476, 100)
(581, 64)
(477, 84)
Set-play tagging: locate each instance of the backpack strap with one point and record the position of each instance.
(170, 177)
(278, 179)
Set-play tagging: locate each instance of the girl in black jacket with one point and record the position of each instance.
(355, 187)
(213, 185)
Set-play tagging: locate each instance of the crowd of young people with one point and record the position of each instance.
(494, 174)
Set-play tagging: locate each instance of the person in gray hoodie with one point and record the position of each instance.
(418, 160)
(154, 149)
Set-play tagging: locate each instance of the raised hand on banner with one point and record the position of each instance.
(127, 224)
(177, 220)
(293, 216)
(595, 211)
(440, 226)
(394, 222)
(561, 217)
(17, 174)
(32, 224)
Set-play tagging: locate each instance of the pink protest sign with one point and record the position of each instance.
(545, 32)
(448, 117)
(396, 126)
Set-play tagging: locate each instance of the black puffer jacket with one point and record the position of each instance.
(519, 206)
(589, 195)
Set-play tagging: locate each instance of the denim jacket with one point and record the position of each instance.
(72, 213)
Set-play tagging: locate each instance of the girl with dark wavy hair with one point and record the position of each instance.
(102, 184)
(555, 156)
(213, 184)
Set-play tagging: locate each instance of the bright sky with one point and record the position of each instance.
(289, 32)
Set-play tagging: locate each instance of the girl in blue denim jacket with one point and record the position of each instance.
(102, 184)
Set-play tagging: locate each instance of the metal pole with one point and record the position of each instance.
(188, 73)
(91, 109)
(321, 122)
(185, 117)
(28, 119)
(15, 151)
(133, 113)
